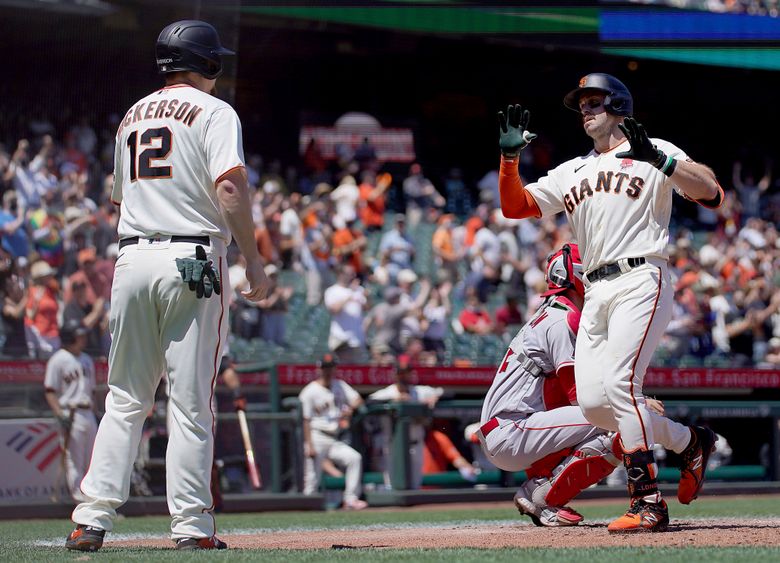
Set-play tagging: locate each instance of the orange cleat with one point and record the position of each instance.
(85, 538)
(694, 463)
(643, 516)
(200, 543)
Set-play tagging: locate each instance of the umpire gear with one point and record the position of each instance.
(618, 99)
(190, 45)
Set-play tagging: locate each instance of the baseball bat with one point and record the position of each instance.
(62, 474)
(254, 474)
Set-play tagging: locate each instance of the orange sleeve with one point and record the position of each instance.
(516, 202)
(446, 446)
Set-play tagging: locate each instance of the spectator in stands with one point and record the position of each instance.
(403, 390)
(316, 253)
(509, 317)
(474, 318)
(98, 283)
(91, 314)
(772, 359)
(488, 185)
(290, 231)
(485, 256)
(396, 247)
(385, 319)
(346, 302)
(750, 192)
(371, 206)
(327, 404)
(348, 245)
(436, 313)
(420, 195)
(245, 315)
(443, 245)
(42, 309)
(365, 155)
(313, 162)
(346, 197)
(274, 307)
(23, 172)
(456, 194)
(13, 226)
(14, 295)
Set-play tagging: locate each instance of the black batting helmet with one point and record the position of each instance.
(190, 45)
(618, 99)
(70, 331)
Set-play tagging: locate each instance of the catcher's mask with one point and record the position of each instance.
(564, 271)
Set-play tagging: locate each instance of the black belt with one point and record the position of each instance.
(610, 269)
(175, 238)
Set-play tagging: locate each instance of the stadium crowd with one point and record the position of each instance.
(751, 7)
(401, 262)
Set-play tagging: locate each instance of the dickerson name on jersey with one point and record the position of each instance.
(185, 112)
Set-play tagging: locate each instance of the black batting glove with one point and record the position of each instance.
(199, 274)
(513, 130)
(642, 148)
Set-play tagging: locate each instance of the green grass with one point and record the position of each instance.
(17, 537)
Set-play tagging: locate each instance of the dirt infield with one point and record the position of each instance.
(682, 533)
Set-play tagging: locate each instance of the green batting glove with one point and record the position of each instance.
(199, 274)
(513, 132)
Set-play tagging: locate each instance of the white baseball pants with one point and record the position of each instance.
(157, 324)
(82, 437)
(622, 323)
(328, 447)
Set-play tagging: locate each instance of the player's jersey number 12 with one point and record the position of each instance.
(159, 142)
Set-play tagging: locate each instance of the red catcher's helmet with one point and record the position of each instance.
(564, 271)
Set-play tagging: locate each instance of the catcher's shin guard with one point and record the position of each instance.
(591, 462)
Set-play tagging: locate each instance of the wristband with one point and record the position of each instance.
(665, 164)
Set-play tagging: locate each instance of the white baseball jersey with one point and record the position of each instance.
(173, 146)
(548, 339)
(417, 393)
(72, 378)
(323, 406)
(617, 208)
(156, 147)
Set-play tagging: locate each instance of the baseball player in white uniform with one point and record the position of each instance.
(327, 404)
(181, 184)
(618, 201)
(530, 419)
(70, 387)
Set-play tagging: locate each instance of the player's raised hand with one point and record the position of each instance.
(259, 284)
(513, 130)
(641, 146)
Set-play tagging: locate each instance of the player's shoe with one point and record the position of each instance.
(694, 463)
(356, 504)
(85, 538)
(548, 516)
(200, 543)
(643, 516)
